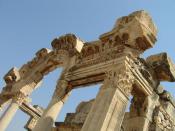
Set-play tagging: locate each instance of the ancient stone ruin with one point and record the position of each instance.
(113, 60)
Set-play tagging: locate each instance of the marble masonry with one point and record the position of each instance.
(115, 61)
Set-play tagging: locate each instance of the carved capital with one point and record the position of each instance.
(19, 98)
(122, 79)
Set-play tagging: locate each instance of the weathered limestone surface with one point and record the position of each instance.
(75, 121)
(163, 66)
(81, 113)
(11, 110)
(35, 112)
(113, 60)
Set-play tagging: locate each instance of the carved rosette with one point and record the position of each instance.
(122, 79)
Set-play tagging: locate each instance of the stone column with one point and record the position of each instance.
(50, 114)
(108, 110)
(10, 112)
(141, 112)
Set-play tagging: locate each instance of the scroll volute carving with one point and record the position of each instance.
(12, 76)
(68, 42)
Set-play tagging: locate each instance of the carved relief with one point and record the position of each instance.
(122, 79)
(131, 36)
(97, 58)
(68, 42)
(12, 76)
(162, 119)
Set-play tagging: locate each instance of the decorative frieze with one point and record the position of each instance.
(113, 60)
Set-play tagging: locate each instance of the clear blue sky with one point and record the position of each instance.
(28, 25)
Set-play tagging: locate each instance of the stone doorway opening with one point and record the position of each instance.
(77, 107)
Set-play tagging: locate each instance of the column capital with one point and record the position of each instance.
(19, 98)
(121, 78)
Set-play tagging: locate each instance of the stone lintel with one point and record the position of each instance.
(95, 69)
(34, 111)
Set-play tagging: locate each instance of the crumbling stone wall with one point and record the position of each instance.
(163, 116)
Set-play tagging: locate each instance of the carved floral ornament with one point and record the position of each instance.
(132, 35)
(122, 79)
(19, 98)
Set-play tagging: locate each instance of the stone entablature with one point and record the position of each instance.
(113, 60)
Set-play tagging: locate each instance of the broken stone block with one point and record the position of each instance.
(12, 76)
(68, 42)
(81, 113)
(163, 67)
(166, 95)
(43, 52)
(159, 89)
(136, 30)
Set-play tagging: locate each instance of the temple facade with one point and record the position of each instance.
(115, 61)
